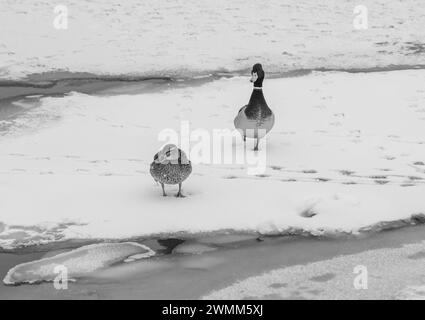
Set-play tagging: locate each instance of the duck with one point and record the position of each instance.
(255, 119)
(171, 166)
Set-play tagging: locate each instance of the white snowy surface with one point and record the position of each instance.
(77, 263)
(347, 151)
(412, 293)
(390, 273)
(186, 37)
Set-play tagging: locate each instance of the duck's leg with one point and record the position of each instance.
(180, 194)
(163, 190)
(256, 145)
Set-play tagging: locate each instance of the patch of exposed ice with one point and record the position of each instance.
(193, 248)
(222, 239)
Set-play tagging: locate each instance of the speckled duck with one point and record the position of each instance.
(171, 166)
(255, 119)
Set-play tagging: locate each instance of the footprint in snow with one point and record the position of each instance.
(308, 213)
(106, 174)
(71, 156)
(46, 172)
(99, 161)
(277, 285)
(389, 158)
(230, 177)
(277, 168)
(17, 154)
(381, 181)
(335, 124)
(417, 255)
(415, 178)
(323, 278)
(356, 140)
(378, 177)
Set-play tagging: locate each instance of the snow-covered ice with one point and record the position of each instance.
(186, 37)
(412, 293)
(77, 263)
(388, 273)
(347, 152)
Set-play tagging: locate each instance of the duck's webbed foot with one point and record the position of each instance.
(163, 190)
(180, 194)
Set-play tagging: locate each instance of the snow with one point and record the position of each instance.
(346, 153)
(389, 273)
(77, 263)
(187, 37)
(412, 293)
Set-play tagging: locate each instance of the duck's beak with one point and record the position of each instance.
(254, 77)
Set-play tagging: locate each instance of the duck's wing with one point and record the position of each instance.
(242, 109)
(241, 119)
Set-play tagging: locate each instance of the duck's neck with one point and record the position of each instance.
(257, 98)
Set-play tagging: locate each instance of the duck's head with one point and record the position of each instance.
(257, 75)
(170, 153)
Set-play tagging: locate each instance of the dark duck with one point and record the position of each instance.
(255, 119)
(171, 166)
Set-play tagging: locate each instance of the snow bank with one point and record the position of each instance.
(346, 153)
(78, 262)
(183, 37)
